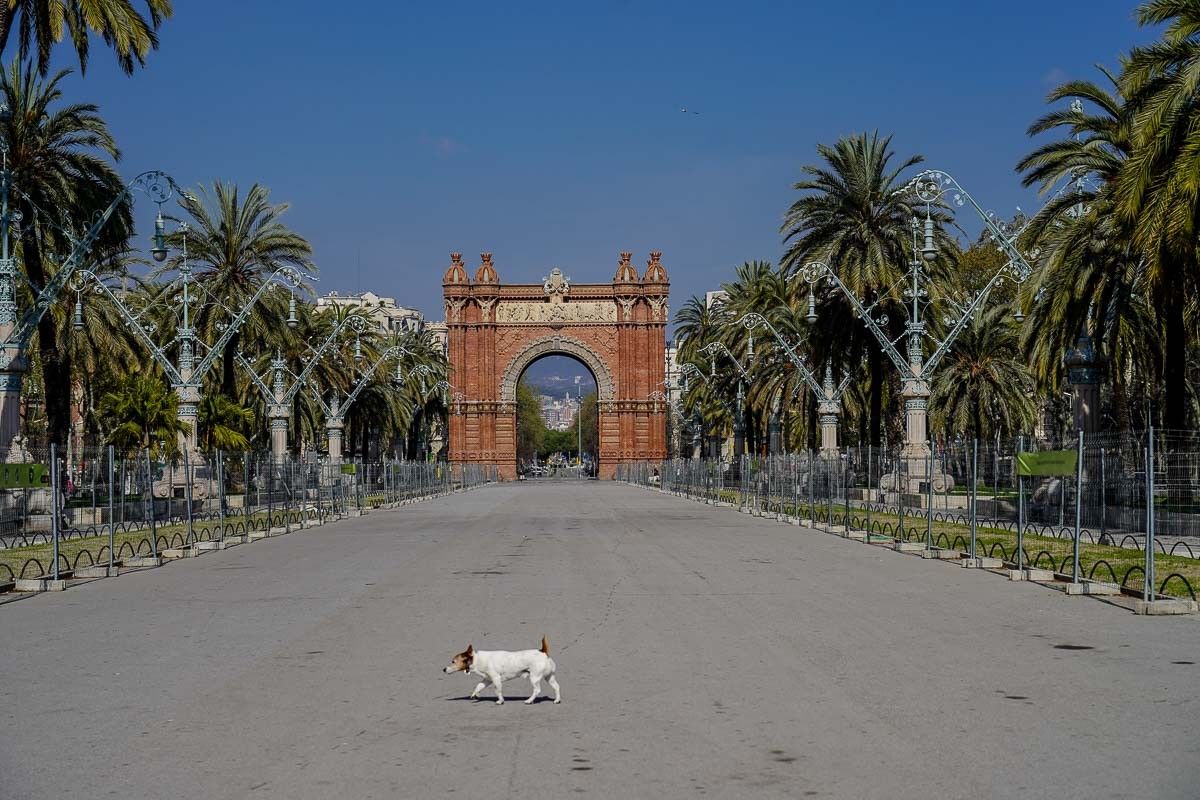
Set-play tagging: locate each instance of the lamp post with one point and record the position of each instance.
(676, 411)
(829, 398)
(184, 372)
(280, 396)
(336, 409)
(17, 329)
(929, 187)
(739, 422)
(579, 421)
(687, 369)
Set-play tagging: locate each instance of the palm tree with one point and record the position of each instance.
(147, 411)
(1092, 278)
(984, 386)
(60, 158)
(234, 244)
(1157, 192)
(697, 325)
(853, 216)
(222, 423)
(42, 23)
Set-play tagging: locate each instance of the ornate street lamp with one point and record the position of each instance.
(185, 373)
(829, 398)
(17, 329)
(739, 423)
(280, 396)
(336, 409)
(932, 188)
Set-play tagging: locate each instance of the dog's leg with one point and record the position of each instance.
(499, 684)
(536, 680)
(479, 687)
(554, 685)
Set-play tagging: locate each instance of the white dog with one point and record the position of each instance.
(498, 666)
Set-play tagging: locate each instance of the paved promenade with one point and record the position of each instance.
(701, 653)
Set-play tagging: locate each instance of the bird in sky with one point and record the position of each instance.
(685, 111)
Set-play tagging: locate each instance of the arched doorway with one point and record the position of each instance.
(557, 421)
(495, 331)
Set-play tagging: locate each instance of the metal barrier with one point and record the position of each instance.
(98, 510)
(1125, 513)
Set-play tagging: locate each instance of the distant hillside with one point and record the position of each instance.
(555, 376)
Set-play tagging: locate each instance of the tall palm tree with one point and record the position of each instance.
(1092, 277)
(234, 243)
(42, 23)
(61, 161)
(1157, 192)
(853, 216)
(697, 325)
(984, 386)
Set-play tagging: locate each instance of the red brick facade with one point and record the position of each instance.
(495, 331)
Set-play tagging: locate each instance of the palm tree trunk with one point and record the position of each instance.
(1121, 411)
(228, 377)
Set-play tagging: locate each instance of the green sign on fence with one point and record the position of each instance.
(349, 469)
(1047, 463)
(24, 476)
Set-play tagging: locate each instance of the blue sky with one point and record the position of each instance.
(550, 133)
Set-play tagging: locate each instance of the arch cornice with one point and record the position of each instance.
(563, 345)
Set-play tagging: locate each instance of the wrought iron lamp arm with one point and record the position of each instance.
(842, 387)
(316, 393)
(140, 331)
(754, 319)
(159, 185)
(717, 347)
(688, 368)
(255, 378)
(931, 184)
(961, 323)
(814, 271)
(291, 275)
(391, 352)
(353, 321)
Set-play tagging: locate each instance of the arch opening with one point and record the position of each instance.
(557, 420)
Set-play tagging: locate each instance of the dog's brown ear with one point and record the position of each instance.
(470, 650)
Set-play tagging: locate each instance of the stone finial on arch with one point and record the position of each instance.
(560, 345)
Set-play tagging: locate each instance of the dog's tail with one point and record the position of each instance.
(545, 645)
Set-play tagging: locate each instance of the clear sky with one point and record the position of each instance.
(551, 134)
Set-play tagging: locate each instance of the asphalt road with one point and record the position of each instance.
(701, 653)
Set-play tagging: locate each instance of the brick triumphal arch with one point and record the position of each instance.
(497, 330)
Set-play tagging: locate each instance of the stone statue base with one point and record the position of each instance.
(914, 475)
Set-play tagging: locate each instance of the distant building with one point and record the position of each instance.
(440, 333)
(715, 298)
(671, 373)
(390, 317)
(559, 415)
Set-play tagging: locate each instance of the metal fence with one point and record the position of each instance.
(1122, 516)
(108, 509)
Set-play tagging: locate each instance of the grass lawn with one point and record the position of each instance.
(36, 560)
